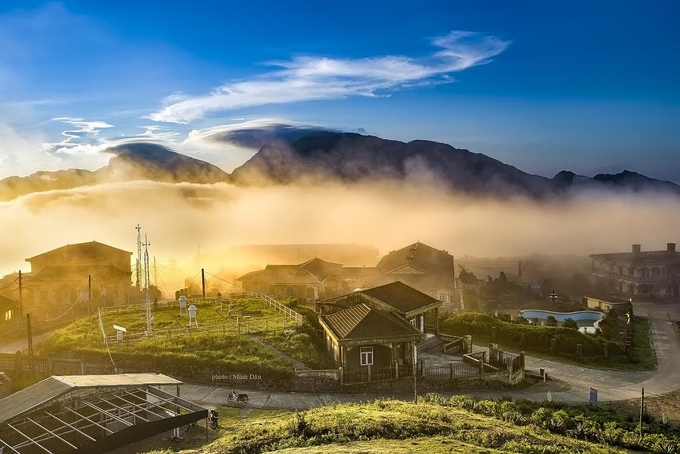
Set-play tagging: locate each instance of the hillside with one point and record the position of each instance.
(134, 161)
(352, 157)
(437, 425)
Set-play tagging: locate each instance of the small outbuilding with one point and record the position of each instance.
(92, 413)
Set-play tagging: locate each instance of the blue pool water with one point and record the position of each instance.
(586, 320)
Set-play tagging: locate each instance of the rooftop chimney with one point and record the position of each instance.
(670, 248)
(636, 249)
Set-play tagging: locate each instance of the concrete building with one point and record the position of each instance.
(652, 273)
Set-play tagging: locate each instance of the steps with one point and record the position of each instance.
(429, 344)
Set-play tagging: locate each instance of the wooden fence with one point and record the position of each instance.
(16, 364)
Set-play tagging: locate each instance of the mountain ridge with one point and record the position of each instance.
(347, 157)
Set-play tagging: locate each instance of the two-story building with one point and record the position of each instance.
(639, 272)
(76, 273)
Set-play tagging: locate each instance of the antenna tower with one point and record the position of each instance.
(147, 285)
(139, 259)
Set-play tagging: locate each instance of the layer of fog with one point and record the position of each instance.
(180, 217)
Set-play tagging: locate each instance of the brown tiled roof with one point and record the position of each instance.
(320, 269)
(400, 296)
(417, 281)
(421, 256)
(266, 275)
(82, 249)
(362, 322)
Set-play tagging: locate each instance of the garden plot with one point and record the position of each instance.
(231, 316)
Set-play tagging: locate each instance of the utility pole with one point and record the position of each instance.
(147, 284)
(203, 281)
(89, 294)
(642, 409)
(520, 268)
(30, 343)
(21, 300)
(139, 260)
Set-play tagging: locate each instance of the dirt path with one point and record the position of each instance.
(15, 345)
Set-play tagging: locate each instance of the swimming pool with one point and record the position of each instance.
(586, 320)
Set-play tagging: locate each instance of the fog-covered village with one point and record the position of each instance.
(358, 227)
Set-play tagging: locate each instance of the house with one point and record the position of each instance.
(421, 267)
(360, 337)
(418, 265)
(650, 273)
(9, 309)
(74, 273)
(396, 298)
(307, 281)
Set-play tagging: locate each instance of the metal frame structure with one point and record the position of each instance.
(96, 419)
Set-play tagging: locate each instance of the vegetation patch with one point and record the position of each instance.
(194, 353)
(556, 341)
(437, 425)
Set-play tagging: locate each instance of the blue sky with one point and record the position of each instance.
(585, 86)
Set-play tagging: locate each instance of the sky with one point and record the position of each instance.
(590, 87)
(585, 86)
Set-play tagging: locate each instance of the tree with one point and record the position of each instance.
(550, 321)
(570, 323)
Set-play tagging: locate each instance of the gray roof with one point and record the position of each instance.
(41, 393)
(92, 413)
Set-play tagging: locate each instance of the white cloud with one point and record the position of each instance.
(315, 78)
(72, 144)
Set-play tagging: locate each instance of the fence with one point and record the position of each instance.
(17, 364)
(451, 372)
(369, 374)
(239, 327)
(243, 325)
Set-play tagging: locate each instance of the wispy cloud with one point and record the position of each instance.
(73, 143)
(309, 78)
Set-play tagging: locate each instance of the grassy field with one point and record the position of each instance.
(434, 425)
(215, 348)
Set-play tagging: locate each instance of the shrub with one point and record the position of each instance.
(570, 323)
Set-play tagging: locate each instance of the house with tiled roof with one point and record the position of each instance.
(396, 297)
(653, 273)
(362, 337)
(307, 281)
(82, 273)
(419, 266)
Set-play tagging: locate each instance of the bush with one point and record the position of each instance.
(570, 323)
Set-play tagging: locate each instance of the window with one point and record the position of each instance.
(8, 315)
(413, 322)
(366, 356)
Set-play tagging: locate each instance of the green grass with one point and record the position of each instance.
(189, 353)
(643, 349)
(301, 347)
(402, 427)
(643, 357)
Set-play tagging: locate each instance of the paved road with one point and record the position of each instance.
(572, 383)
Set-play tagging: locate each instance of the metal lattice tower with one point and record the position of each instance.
(147, 285)
(139, 259)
